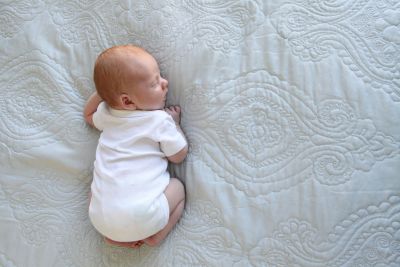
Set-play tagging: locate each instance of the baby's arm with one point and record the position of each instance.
(175, 112)
(91, 107)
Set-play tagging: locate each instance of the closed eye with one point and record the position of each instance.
(156, 82)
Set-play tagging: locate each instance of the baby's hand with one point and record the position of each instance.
(175, 112)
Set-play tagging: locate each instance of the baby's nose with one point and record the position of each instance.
(165, 83)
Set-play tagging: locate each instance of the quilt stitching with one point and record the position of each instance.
(274, 137)
(365, 34)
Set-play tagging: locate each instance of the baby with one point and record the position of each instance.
(133, 199)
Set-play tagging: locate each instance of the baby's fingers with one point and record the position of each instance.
(173, 109)
(177, 109)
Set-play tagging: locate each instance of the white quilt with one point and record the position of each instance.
(291, 109)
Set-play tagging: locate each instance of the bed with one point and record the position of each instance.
(291, 109)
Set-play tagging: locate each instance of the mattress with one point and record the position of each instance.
(291, 109)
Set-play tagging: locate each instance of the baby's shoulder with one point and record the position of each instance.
(162, 119)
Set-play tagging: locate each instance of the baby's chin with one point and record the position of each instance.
(162, 107)
(159, 107)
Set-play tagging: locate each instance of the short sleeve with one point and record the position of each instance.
(99, 115)
(171, 140)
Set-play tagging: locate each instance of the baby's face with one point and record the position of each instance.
(150, 90)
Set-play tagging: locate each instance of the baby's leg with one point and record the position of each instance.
(175, 194)
(133, 244)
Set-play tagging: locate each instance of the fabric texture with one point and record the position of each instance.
(291, 109)
(130, 172)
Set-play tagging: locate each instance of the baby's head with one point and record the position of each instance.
(127, 77)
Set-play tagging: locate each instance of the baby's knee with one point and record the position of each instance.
(175, 182)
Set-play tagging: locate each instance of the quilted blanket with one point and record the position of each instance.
(291, 109)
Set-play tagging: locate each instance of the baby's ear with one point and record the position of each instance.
(126, 102)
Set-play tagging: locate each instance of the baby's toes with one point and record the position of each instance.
(137, 244)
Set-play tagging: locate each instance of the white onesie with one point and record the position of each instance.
(130, 172)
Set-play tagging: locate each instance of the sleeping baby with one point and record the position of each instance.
(133, 199)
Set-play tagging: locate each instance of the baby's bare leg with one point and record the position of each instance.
(133, 244)
(175, 194)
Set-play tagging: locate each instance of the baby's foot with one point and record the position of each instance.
(137, 244)
(175, 112)
(133, 244)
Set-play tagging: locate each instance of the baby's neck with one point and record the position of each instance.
(136, 109)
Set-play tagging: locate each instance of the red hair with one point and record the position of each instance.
(111, 72)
